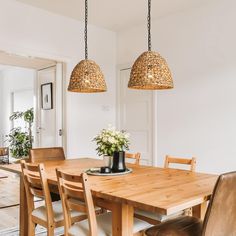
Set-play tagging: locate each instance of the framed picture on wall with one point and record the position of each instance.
(46, 96)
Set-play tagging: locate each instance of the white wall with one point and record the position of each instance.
(32, 31)
(1, 136)
(12, 79)
(196, 118)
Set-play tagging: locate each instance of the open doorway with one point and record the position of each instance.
(22, 80)
(28, 82)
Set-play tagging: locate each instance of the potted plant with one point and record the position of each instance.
(112, 143)
(20, 141)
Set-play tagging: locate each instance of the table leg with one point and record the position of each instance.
(122, 220)
(199, 211)
(23, 210)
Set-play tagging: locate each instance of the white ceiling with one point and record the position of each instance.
(115, 15)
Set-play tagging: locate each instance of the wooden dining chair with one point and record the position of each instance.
(180, 161)
(219, 220)
(154, 218)
(50, 215)
(40, 155)
(76, 195)
(133, 157)
(4, 155)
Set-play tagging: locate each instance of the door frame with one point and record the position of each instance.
(64, 60)
(59, 100)
(154, 107)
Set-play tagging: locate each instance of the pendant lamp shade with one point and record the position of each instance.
(150, 71)
(87, 77)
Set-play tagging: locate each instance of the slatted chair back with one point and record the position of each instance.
(39, 155)
(134, 157)
(35, 182)
(4, 154)
(4, 151)
(178, 160)
(76, 195)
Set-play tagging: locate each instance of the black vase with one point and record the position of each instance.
(118, 162)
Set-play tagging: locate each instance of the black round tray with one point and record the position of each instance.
(96, 171)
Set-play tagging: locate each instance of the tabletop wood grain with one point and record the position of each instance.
(165, 191)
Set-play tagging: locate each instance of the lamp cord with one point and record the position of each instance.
(86, 30)
(149, 26)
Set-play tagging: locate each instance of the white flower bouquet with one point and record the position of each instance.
(110, 140)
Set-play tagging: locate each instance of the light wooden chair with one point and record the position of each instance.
(50, 215)
(39, 155)
(182, 161)
(76, 195)
(154, 218)
(134, 157)
(4, 155)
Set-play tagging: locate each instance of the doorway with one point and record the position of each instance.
(49, 107)
(48, 125)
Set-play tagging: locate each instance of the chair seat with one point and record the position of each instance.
(104, 222)
(156, 216)
(181, 226)
(41, 212)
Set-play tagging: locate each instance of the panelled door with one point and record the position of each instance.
(49, 117)
(135, 115)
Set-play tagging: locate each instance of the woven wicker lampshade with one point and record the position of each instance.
(87, 77)
(150, 71)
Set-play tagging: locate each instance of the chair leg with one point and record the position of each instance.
(50, 231)
(31, 228)
(188, 212)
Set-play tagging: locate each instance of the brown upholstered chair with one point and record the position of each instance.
(39, 155)
(220, 216)
(154, 218)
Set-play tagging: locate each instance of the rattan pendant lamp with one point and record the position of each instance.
(87, 76)
(150, 71)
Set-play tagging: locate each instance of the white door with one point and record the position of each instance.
(135, 115)
(49, 112)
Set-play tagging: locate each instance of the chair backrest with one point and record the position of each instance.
(4, 151)
(177, 160)
(220, 217)
(38, 155)
(35, 182)
(133, 156)
(76, 195)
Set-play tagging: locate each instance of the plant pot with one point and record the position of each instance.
(118, 162)
(108, 160)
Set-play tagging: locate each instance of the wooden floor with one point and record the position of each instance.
(9, 200)
(9, 206)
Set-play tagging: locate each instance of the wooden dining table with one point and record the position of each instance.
(160, 190)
